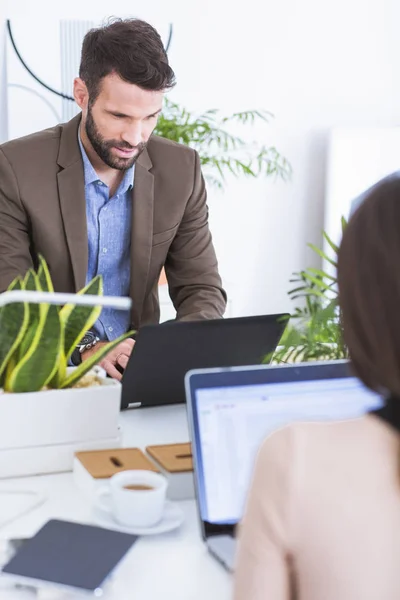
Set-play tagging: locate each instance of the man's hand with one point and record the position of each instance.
(118, 356)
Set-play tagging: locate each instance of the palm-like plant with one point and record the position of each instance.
(314, 332)
(220, 151)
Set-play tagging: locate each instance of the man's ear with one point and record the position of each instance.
(81, 93)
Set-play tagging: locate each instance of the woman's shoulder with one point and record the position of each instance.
(308, 440)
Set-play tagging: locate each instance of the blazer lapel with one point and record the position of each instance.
(71, 189)
(142, 233)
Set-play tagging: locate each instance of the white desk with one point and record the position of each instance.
(173, 566)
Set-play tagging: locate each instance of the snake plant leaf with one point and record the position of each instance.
(14, 320)
(85, 366)
(31, 284)
(76, 320)
(39, 364)
(46, 285)
(60, 371)
(8, 371)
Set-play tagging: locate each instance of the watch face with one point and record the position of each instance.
(88, 338)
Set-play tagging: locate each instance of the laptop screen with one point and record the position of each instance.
(231, 420)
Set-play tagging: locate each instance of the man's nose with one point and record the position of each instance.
(133, 135)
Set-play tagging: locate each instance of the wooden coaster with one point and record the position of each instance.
(103, 464)
(174, 458)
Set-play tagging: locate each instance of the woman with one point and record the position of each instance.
(323, 515)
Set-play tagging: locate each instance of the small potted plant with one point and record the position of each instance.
(49, 410)
(314, 332)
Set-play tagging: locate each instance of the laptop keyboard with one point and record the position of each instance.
(223, 547)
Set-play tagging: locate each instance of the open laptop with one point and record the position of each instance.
(164, 353)
(231, 411)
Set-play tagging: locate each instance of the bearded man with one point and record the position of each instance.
(102, 195)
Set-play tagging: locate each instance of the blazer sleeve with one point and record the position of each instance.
(15, 257)
(191, 265)
(263, 561)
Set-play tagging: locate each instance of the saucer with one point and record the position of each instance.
(172, 518)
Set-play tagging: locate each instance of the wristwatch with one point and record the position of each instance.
(88, 341)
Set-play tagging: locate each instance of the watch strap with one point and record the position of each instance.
(88, 341)
(76, 357)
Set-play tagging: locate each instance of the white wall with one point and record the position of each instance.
(314, 64)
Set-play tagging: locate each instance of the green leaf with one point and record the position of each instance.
(60, 372)
(14, 319)
(44, 277)
(297, 290)
(330, 242)
(38, 365)
(311, 291)
(319, 283)
(322, 255)
(322, 274)
(86, 365)
(31, 283)
(77, 320)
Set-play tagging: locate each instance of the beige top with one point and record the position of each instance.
(323, 515)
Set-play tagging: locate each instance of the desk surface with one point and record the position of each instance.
(173, 566)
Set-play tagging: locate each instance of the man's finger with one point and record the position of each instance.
(128, 342)
(111, 370)
(123, 360)
(125, 348)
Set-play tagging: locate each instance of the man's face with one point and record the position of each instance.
(121, 121)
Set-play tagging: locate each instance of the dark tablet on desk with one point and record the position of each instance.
(69, 554)
(163, 354)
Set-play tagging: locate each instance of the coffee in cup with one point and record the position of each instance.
(134, 498)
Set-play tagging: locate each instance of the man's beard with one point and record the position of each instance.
(103, 147)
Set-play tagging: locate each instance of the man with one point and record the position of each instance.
(100, 194)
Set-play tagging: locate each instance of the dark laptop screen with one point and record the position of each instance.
(233, 411)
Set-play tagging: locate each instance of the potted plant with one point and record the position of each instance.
(314, 331)
(219, 150)
(47, 409)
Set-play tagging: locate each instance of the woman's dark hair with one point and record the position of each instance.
(369, 288)
(132, 49)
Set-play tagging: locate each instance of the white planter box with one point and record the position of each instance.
(41, 431)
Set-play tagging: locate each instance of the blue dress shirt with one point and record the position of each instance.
(109, 243)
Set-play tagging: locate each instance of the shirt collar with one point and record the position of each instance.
(91, 176)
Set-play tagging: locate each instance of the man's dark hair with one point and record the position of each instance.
(369, 288)
(132, 49)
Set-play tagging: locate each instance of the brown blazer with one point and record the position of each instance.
(322, 520)
(43, 210)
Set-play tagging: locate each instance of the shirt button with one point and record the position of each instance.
(100, 183)
(104, 250)
(110, 329)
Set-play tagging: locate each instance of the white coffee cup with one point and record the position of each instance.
(134, 498)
